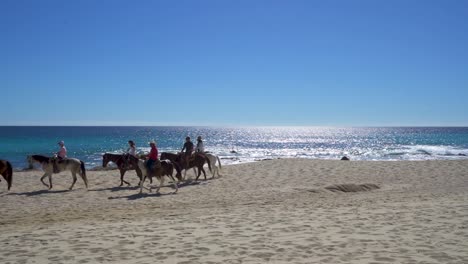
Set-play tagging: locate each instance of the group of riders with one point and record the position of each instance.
(152, 160)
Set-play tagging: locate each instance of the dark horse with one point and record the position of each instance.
(165, 168)
(124, 163)
(70, 164)
(196, 160)
(7, 172)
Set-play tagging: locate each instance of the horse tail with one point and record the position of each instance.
(178, 170)
(209, 162)
(219, 162)
(9, 177)
(83, 173)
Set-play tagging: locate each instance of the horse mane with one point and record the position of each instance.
(112, 154)
(40, 158)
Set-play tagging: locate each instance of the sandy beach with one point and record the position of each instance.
(273, 211)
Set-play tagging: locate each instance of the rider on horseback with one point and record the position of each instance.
(60, 155)
(152, 158)
(200, 147)
(188, 146)
(130, 151)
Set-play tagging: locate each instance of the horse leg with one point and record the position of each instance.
(175, 183)
(122, 173)
(141, 183)
(85, 179)
(74, 180)
(199, 173)
(203, 170)
(161, 182)
(50, 181)
(42, 180)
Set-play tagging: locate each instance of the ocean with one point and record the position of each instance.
(238, 145)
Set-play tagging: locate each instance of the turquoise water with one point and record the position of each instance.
(249, 144)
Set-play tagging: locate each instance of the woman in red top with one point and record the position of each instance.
(152, 157)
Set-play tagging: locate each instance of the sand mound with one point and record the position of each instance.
(352, 187)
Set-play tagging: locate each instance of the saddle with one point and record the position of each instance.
(56, 160)
(126, 162)
(156, 165)
(191, 158)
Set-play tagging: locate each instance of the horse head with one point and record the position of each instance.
(105, 160)
(30, 161)
(7, 172)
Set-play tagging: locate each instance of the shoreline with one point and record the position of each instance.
(113, 167)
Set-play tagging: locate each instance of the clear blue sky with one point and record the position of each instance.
(318, 63)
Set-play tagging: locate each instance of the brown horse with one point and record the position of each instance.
(197, 160)
(7, 172)
(124, 163)
(166, 168)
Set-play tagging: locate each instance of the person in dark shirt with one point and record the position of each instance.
(188, 147)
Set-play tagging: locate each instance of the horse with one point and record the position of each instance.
(213, 158)
(196, 160)
(124, 163)
(166, 168)
(7, 172)
(68, 164)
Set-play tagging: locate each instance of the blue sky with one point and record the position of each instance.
(307, 63)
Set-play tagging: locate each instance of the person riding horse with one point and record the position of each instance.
(153, 161)
(188, 147)
(130, 151)
(200, 147)
(60, 155)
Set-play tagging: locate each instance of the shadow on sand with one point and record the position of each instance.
(137, 196)
(116, 189)
(40, 192)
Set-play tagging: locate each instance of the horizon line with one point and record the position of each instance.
(257, 126)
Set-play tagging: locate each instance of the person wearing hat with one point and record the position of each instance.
(188, 147)
(61, 154)
(200, 147)
(152, 157)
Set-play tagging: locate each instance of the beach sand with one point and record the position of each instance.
(275, 211)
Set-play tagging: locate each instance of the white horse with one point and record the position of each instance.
(213, 158)
(70, 164)
(166, 169)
